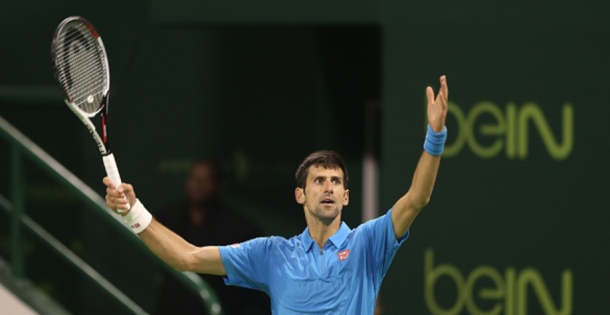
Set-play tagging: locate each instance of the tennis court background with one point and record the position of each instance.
(261, 95)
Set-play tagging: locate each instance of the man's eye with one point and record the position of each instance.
(336, 182)
(317, 181)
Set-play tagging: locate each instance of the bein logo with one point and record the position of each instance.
(489, 130)
(504, 294)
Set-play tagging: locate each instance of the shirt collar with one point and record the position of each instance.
(336, 239)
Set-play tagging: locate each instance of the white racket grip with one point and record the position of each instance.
(112, 171)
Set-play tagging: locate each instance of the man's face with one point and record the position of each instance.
(324, 195)
(201, 185)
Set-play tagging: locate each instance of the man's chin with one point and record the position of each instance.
(328, 214)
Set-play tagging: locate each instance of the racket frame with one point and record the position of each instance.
(101, 141)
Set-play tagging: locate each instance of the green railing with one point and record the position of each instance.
(23, 148)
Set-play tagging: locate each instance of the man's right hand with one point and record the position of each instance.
(119, 198)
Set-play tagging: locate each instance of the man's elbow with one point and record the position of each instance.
(186, 263)
(426, 202)
(182, 267)
(419, 203)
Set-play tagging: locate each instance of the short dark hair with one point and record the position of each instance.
(325, 158)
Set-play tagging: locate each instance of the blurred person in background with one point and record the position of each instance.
(203, 220)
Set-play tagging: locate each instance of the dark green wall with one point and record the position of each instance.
(506, 226)
(260, 86)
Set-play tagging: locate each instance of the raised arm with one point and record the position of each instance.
(167, 245)
(406, 208)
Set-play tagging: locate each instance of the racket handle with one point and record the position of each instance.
(112, 171)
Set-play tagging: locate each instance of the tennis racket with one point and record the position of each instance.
(81, 68)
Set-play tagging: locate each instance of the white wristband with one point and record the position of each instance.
(138, 218)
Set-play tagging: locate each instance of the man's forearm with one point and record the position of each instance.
(406, 208)
(168, 246)
(423, 181)
(180, 254)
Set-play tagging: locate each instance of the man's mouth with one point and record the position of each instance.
(328, 201)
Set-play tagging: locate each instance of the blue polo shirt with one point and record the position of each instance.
(343, 278)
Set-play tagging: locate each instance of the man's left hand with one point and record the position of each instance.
(437, 108)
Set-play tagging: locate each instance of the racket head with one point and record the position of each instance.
(81, 65)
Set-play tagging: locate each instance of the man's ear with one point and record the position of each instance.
(346, 197)
(299, 195)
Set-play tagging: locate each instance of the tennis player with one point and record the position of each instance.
(327, 269)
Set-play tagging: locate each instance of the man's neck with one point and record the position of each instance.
(321, 232)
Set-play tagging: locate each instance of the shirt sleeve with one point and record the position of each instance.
(246, 264)
(382, 243)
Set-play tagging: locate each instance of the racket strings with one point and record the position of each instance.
(84, 72)
(83, 80)
(81, 67)
(83, 76)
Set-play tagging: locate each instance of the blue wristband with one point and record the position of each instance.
(435, 141)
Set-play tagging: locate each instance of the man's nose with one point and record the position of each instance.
(328, 187)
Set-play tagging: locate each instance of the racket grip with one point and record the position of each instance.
(112, 171)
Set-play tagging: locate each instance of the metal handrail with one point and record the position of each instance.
(22, 147)
(72, 258)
